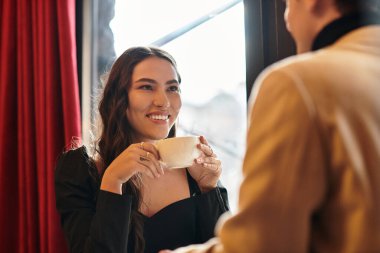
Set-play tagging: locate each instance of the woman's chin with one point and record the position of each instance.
(160, 136)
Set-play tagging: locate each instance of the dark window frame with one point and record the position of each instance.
(267, 39)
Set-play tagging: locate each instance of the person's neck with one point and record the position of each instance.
(319, 18)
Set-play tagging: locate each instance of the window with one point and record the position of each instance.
(207, 40)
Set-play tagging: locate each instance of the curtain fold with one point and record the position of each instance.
(39, 117)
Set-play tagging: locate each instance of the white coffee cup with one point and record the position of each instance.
(178, 152)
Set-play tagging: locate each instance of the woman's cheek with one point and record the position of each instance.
(177, 105)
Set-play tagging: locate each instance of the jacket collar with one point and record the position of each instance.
(341, 26)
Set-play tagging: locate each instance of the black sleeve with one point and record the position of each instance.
(210, 206)
(92, 221)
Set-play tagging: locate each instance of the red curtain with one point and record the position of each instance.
(39, 115)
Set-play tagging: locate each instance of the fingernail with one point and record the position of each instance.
(199, 160)
(163, 165)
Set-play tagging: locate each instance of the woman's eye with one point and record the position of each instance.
(174, 88)
(146, 87)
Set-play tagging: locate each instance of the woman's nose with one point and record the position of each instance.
(161, 99)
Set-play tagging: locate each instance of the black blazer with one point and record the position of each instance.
(99, 221)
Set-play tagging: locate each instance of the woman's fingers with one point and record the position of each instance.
(203, 140)
(205, 147)
(148, 167)
(149, 161)
(156, 163)
(148, 172)
(209, 162)
(207, 150)
(160, 165)
(150, 148)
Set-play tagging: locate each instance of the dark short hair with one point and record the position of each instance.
(349, 6)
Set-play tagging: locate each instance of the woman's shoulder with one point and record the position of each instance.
(76, 164)
(74, 157)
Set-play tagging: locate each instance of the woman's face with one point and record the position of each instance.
(154, 99)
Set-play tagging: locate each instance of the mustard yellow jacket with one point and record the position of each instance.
(312, 167)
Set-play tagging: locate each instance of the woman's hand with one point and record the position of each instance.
(137, 158)
(207, 168)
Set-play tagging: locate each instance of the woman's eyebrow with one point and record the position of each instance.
(172, 81)
(149, 80)
(145, 80)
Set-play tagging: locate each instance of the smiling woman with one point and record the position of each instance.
(207, 40)
(119, 198)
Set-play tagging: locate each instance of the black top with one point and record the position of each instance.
(94, 220)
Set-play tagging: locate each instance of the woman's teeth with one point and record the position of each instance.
(159, 117)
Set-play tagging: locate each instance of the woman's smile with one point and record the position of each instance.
(159, 118)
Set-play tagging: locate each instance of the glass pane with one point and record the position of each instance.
(141, 22)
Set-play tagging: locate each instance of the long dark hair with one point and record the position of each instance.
(117, 133)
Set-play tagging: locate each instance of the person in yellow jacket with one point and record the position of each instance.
(312, 164)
